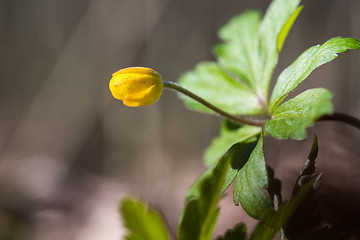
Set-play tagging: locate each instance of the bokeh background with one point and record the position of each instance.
(69, 151)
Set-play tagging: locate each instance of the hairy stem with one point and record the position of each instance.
(222, 113)
(340, 117)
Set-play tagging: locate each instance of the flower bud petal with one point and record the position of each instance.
(136, 86)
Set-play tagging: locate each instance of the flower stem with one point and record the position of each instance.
(222, 113)
(341, 117)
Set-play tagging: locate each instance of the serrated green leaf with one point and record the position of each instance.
(201, 213)
(211, 83)
(141, 221)
(311, 59)
(239, 52)
(276, 16)
(247, 59)
(271, 224)
(237, 233)
(291, 119)
(251, 185)
(227, 138)
(286, 28)
(251, 47)
(242, 28)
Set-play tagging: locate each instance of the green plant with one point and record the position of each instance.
(237, 88)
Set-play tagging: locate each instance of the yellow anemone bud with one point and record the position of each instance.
(136, 86)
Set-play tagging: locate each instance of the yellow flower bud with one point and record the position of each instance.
(136, 86)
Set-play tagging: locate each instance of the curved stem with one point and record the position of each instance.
(340, 117)
(186, 92)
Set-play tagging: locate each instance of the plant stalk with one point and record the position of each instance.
(341, 117)
(222, 113)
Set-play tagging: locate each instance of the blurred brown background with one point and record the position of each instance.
(69, 151)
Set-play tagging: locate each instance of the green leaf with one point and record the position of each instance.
(239, 84)
(271, 224)
(311, 59)
(251, 47)
(291, 119)
(251, 185)
(286, 28)
(227, 138)
(201, 212)
(211, 83)
(239, 157)
(142, 222)
(239, 52)
(310, 164)
(194, 190)
(237, 233)
(276, 17)
(306, 217)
